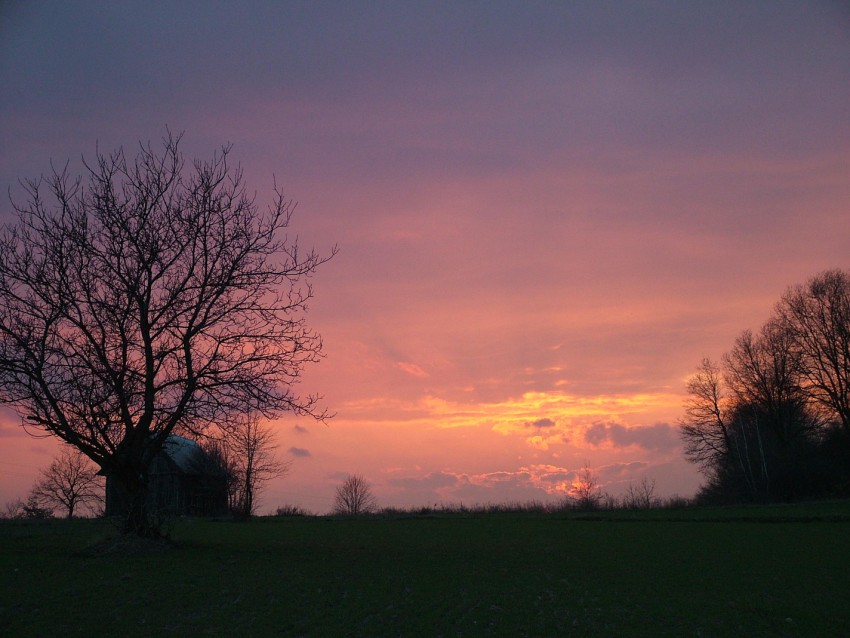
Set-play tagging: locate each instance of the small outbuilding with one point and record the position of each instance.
(182, 482)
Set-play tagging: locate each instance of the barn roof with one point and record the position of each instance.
(184, 452)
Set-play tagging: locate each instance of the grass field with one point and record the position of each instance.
(772, 571)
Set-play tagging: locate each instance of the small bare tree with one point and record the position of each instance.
(586, 491)
(251, 452)
(69, 483)
(641, 496)
(14, 509)
(354, 497)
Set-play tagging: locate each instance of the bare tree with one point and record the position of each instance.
(705, 427)
(641, 496)
(817, 315)
(219, 464)
(712, 429)
(354, 497)
(586, 491)
(13, 509)
(763, 371)
(151, 298)
(251, 450)
(68, 483)
(32, 508)
(754, 427)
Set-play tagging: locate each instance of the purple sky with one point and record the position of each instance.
(548, 213)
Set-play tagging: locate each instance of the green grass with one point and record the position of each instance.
(772, 571)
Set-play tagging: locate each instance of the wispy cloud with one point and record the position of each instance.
(432, 480)
(412, 369)
(12, 432)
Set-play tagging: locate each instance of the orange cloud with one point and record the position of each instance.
(539, 419)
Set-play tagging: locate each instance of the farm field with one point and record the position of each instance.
(766, 571)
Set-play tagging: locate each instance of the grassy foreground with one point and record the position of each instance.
(754, 572)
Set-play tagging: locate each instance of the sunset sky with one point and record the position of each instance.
(547, 212)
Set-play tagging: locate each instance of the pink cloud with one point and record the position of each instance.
(412, 369)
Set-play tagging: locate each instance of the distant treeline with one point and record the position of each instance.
(771, 420)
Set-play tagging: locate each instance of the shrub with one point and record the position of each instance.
(291, 510)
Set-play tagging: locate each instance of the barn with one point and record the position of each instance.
(182, 482)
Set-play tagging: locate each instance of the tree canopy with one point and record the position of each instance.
(772, 420)
(149, 297)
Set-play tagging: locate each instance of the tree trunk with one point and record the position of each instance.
(140, 520)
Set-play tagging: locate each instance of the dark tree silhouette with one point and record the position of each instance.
(586, 491)
(712, 434)
(705, 427)
(772, 423)
(251, 447)
(151, 298)
(749, 427)
(641, 496)
(354, 497)
(817, 316)
(68, 483)
(764, 371)
(245, 456)
(31, 508)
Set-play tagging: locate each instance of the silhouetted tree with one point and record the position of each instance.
(13, 509)
(774, 420)
(218, 464)
(748, 426)
(68, 483)
(764, 371)
(641, 496)
(29, 509)
(772, 423)
(586, 491)
(33, 508)
(817, 316)
(148, 299)
(251, 450)
(705, 428)
(354, 497)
